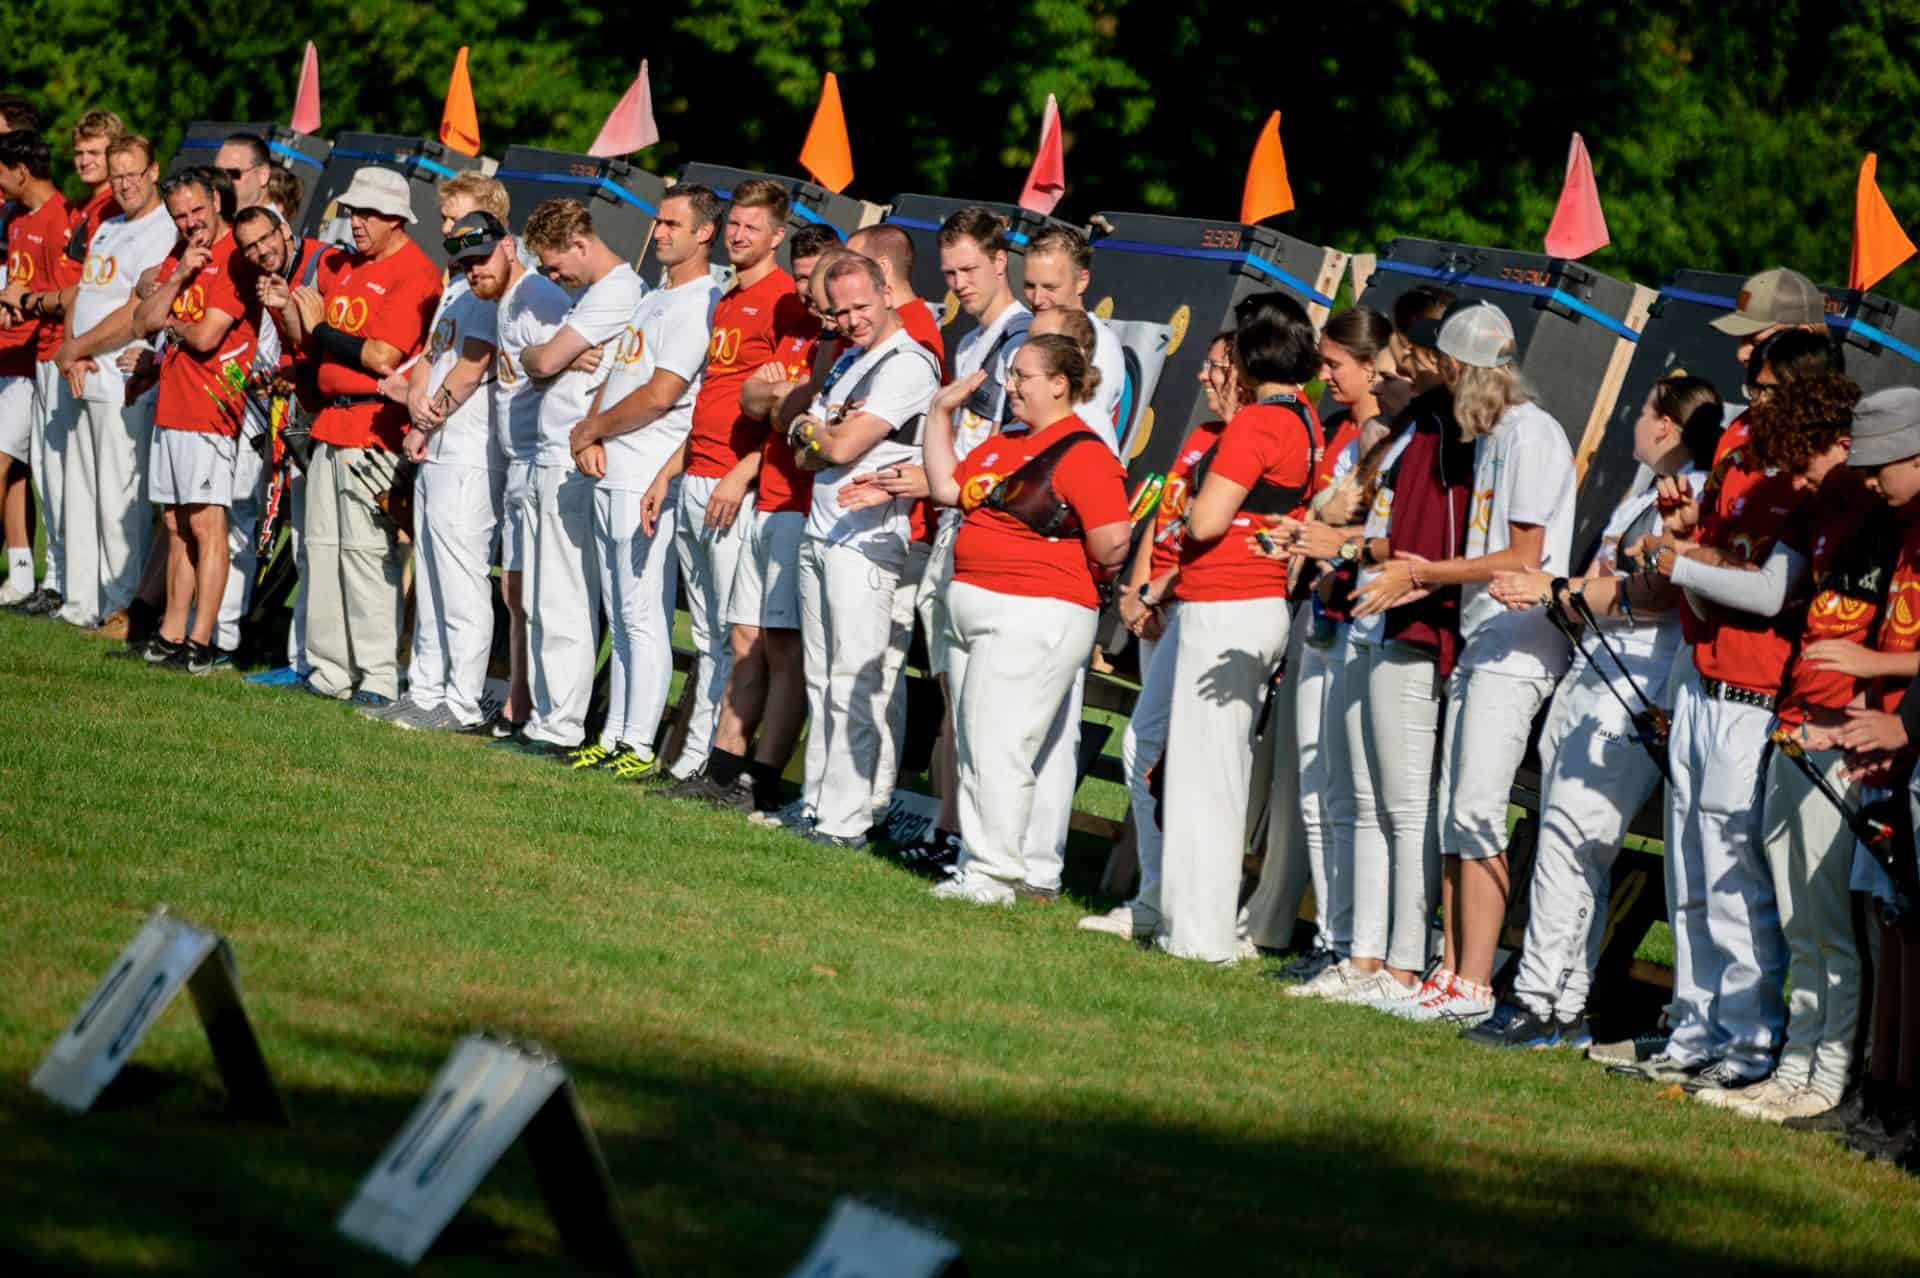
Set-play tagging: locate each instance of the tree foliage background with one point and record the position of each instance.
(1726, 134)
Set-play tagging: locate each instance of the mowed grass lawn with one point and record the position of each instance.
(757, 1025)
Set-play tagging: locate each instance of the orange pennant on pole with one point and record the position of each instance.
(1047, 179)
(827, 154)
(1267, 191)
(1879, 245)
(460, 121)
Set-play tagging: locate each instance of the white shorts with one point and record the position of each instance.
(515, 502)
(766, 584)
(16, 418)
(191, 468)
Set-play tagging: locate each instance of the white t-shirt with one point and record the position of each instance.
(1379, 520)
(896, 379)
(600, 315)
(120, 252)
(1522, 474)
(466, 438)
(528, 314)
(1647, 643)
(1110, 358)
(669, 330)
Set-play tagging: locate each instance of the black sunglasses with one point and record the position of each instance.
(458, 244)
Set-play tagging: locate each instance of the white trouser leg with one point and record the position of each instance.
(1339, 803)
(1315, 674)
(53, 413)
(1403, 731)
(893, 725)
(1274, 907)
(1010, 664)
(1371, 854)
(1810, 855)
(81, 534)
(1057, 771)
(1696, 965)
(1743, 915)
(1595, 777)
(638, 574)
(297, 529)
(352, 574)
(1141, 748)
(1489, 717)
(846, 623)
(707, 563)
(427, 664)
(563, 613)
(456, 510)
(243, 555)
(1227, 651)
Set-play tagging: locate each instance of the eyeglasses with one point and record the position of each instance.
(1218, 366)
(125, 177)
(1016, 377)
(237, 174)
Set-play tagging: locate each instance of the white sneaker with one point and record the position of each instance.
(975, 889)
(1770, 1088)
(1780, 1104)
(1366, 988)
(1331, 982)
(10, 596)
(1133, 922)
(1450, 997)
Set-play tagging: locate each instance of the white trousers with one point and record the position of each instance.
(1810, 854)
(351, 573)
(1729, 957)
(1011, 660)
(1489, 718)
(1367, 847)
(1226, 653)
(108, 521)
(1141, 748)
(1274, 907)
(563, 607)
(1316, 724)
(1057, 779)
(708, 560)
(455, 512)
(893, 725)
(847, 629)
(1402, 737)
(638, 574)
(54, 412)
(243, 553)
(296, 525)
(1594, 778)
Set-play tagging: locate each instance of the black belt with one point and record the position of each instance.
(353, 401)
(1737, 695)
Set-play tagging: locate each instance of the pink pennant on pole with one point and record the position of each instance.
(1047, 179)
(306, 98)
(1579, 227)
(629, 125)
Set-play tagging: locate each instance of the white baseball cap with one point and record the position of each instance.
(1477, 333)
(378, 190)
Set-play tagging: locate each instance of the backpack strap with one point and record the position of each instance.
(1027, 494)
(909, 431)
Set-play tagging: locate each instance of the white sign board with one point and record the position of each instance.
(911, 817)
(168, 955)
(861, 1241)
(487, 1094)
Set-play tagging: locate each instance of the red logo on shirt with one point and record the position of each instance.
(348, 314)
(191, 304)
(978, 489)
(724, 346)
(19, 268)
(98, 270)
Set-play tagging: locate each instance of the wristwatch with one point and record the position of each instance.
(1350, 550)
(1146, 597)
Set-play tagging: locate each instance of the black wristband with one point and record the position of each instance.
(342, 348)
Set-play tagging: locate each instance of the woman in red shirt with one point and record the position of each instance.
(1045, 520)
(1234, 615)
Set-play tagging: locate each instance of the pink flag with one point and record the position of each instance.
(629, 125)
(1047, 180)
(306, 98)
(1579, 227)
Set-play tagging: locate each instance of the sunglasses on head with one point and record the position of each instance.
(459, 244)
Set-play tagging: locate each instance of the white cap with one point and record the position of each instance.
(1478, 333)
(379, 190)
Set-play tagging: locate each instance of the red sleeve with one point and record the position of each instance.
(792, 320)
(1263, 443)
(408, 311)
(1089, 479)
(332, 262)
(223, 289)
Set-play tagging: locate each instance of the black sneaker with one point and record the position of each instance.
(738, 797)
(699, 786)
(1512, 1025)
(160, 652)
(1883, 1138)
(1306, 967)
(932, 857)
(43, 603)
(1851, 1111)
(198, 659)
(1721, 1076)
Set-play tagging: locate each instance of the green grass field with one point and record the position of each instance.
(757, 1025)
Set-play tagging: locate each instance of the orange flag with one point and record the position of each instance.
(1879, 244)
(1579, 226)
(827, 154)
(1267, 191)
(459, 121)
(306, 98)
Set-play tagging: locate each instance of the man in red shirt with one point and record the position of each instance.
(1772, 302)
(368, 311)
(722, 454)
(36, 242)
(893, 249)
(203, 306)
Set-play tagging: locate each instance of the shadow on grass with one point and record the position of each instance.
(724, 1168)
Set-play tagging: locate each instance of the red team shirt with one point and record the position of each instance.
(784, 486)
(36, 249)
(1836, 522)
(997, 552)
(918, 319)
(200, 391)
(391, 300)
(1279, 443)
(749, 326)
(1900, 618)
(1742, 514)
(1176, 496)
(1343, 434)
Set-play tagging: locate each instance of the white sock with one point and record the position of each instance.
(20, 568)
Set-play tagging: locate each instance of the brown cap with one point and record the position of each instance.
(1779, 296)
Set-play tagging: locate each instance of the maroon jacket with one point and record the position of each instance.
(1432, 500)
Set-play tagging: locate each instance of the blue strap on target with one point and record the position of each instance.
(278, 148)
(921, 224)
(608, 185)
(382, 157)
(1565, 299)
(1259, 264)
(806, 214)
(1859, 328)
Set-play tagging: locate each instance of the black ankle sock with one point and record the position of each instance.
(723, 767)
(766, 784)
